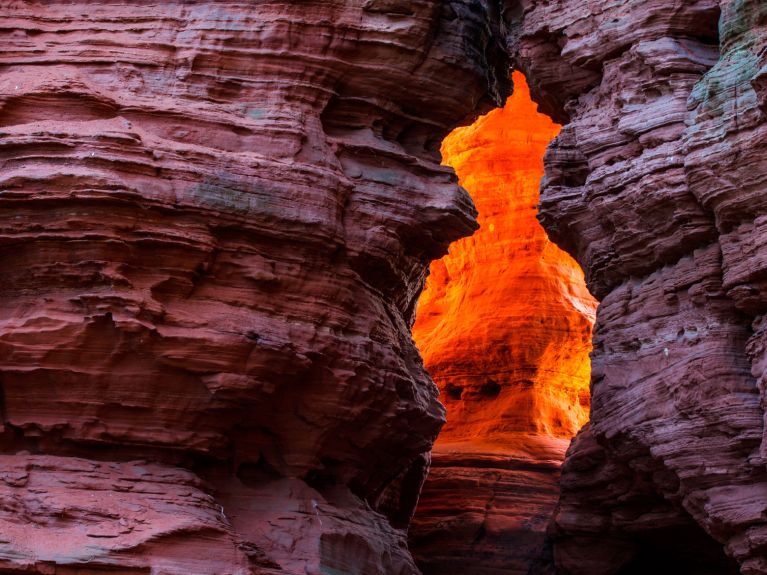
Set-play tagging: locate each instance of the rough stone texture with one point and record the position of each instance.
(484, 509)
(215, 222)
(504, 326)
(72, 515)
(216, 219)
(656, 184)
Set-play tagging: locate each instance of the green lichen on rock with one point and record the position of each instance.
(229, 194)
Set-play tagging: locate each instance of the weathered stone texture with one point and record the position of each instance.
(216, 218)
(215, 223)
(656, 184)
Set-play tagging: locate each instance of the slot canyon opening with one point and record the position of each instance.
(504, 327)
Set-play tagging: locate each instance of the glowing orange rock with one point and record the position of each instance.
(504, 324)
(504, 327)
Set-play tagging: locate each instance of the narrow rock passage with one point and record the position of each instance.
(504, 326)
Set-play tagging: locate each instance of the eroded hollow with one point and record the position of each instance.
(504, 327)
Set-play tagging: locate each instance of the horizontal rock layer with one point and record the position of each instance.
(216, 220)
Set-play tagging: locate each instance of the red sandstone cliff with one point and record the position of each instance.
(504, 327)
(216, 219)
(656, 184)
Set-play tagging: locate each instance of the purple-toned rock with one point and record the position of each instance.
(657, 185)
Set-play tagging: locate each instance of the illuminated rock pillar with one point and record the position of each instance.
(504, 327)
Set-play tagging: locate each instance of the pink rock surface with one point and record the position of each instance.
(216, 219)
(73, 515)
(656, 185)
(484, 509)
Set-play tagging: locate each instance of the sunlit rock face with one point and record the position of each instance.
(215, 218)
(504, 327)
(657, 183)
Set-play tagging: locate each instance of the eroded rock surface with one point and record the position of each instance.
(216, 218)
(504, 326)
(656, 184)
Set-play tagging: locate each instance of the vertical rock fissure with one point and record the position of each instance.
(504, 326)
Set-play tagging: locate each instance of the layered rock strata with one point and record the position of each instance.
(216, 219)
(656, 184)
(504, 326)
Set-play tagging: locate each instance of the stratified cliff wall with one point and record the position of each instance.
(504, 327)
(215, 222)
(656, 184)
(216, 219)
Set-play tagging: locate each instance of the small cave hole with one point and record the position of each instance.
(490, 389)
(454, 392)
(256, 472)
(324, 476)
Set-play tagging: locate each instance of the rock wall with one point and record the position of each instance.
(656, 184)
(216, 219)
(504, 327)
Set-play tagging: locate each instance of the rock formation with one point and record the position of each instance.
(216, 220)
(504, 327)
(656, 184)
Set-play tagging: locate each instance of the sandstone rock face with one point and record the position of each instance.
(656, 184)
(504, 327)
(216, 219)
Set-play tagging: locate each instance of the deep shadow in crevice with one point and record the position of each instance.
(677, 550)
